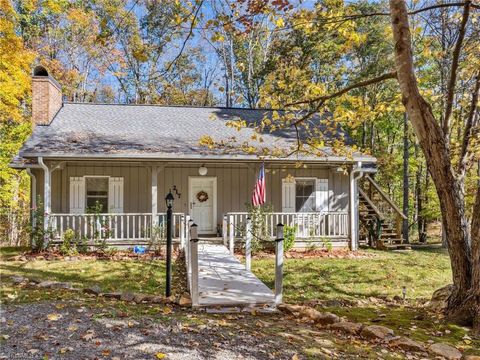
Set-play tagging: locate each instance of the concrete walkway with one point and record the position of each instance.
(224, 281)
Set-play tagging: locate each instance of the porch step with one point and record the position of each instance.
(211, 240)
(398, 246)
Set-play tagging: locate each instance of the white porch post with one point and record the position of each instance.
(231, 234)
(33, 188)
(353, 206)
(46, 198)
(154, 195)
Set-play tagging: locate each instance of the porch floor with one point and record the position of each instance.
(224, 281)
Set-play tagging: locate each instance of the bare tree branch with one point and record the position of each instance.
(469, 127)
(189, 35)
(453, 71)
(323, 98)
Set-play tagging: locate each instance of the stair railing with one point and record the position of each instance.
(396, 215)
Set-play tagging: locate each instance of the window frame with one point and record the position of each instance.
(104, 211)
(314, 180)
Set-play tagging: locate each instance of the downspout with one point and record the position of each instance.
(46, 198)
(33, 192)
(355, 174)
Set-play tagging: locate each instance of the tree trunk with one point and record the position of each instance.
(437, 155)
(475, 291)
(405, 178)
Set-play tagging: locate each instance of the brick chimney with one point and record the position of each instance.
(46, 96)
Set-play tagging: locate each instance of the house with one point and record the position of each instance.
(128, 157)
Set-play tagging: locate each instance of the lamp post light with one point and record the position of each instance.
(169, 204)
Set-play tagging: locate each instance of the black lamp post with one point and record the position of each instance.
(169, 203)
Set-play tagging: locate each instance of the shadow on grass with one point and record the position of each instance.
(146, 277)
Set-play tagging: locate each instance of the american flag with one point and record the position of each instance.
(259, 196)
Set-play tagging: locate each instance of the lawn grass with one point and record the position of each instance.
(123, 275)
(7, 252)
(384, 274)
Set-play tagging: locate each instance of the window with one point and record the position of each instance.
(305, 195)
(97, 193)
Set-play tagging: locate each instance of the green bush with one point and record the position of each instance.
(289, 237)
(260, 231)
(39, 236)
(327, 244)
(68, 246)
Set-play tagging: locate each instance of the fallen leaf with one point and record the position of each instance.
(167, 310)
(106, 352)
(72, 328)
(160, 355)
(88, 336)
(54, 317)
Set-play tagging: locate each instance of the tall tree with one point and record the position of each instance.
(15, 62)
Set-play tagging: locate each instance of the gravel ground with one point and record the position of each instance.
(68, 330)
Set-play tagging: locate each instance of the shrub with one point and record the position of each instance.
(327, 244)
(157, 239)
(260, 233)
(289, 237)
(40, 237)
(68, 246)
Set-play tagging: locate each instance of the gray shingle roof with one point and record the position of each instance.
(101, 130)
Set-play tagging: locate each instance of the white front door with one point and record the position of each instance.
(203, 203)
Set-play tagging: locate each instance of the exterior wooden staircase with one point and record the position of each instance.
(380, 219)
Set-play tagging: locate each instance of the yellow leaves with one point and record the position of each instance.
(218, 37)
(54, 317)
(207, 141)
(167, 310)
(15, 62)
(279, 22)
(160, 355)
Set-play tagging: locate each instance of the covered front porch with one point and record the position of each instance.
(122, 201)
(143, 228)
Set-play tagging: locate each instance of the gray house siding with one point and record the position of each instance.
(235, 182)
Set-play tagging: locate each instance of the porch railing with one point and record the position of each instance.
(121, 226)
(308, 225)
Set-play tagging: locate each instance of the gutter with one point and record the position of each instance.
(179, 157)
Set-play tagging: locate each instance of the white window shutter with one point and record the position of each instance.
(77, 195)
(321, 194)
(288, 196)
(115, 194)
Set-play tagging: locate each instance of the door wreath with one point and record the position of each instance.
(202, 196)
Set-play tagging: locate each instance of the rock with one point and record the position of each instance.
(171, 299)
(113, 295)
(94, 290)
(327, 319)
(408, 345)
(440, 298)
(347, 327)
(447, 351)
(139, 298)
(157, 299)
(310, 313)
(18, 279)
(127, 296)
(61, 285)
(45, 284)
(184, 301)
(377, 332)
(290, 308)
